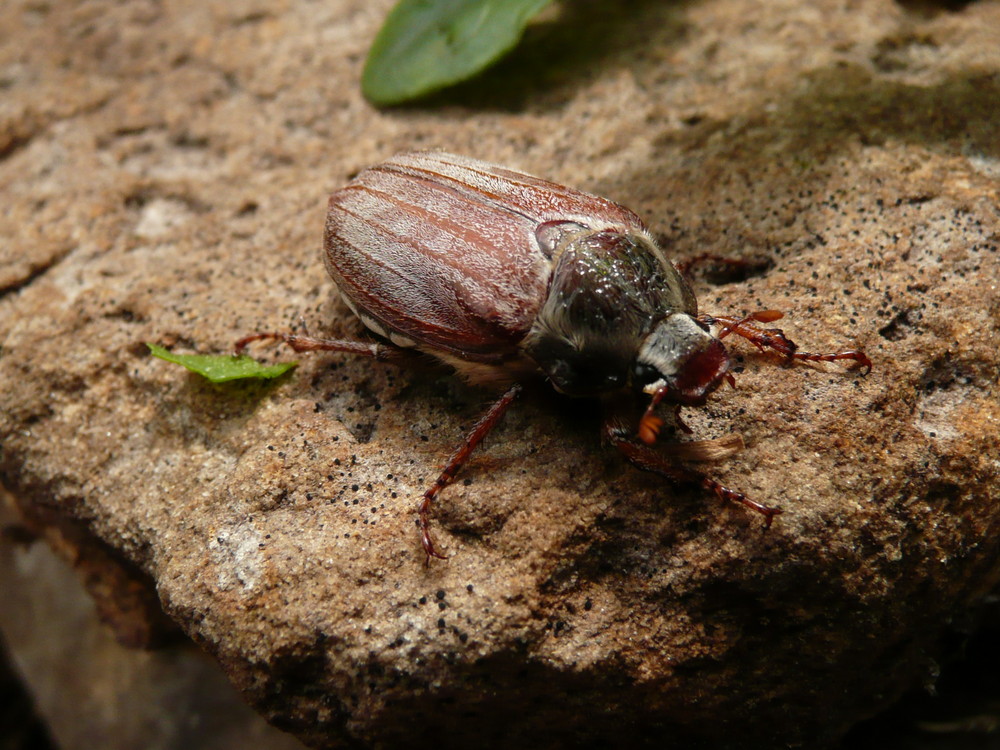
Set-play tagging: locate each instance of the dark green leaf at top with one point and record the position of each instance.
(426, 45)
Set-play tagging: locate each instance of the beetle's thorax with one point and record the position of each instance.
(607, 291)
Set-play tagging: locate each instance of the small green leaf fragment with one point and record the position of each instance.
(224, 367)
(426, 45)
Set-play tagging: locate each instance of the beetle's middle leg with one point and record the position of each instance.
(775, 338)
(617, 432)
(482, 428)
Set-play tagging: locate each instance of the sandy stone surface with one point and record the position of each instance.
(164, 169)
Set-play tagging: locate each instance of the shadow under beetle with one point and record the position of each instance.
(507, 277)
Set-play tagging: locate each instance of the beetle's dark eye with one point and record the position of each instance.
(644, 374)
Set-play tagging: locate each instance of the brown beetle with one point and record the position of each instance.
(505, 277)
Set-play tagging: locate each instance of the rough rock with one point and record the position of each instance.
(164, 172)
(89, 689)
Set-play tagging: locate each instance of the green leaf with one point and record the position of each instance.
(224, 367)
(426, 45)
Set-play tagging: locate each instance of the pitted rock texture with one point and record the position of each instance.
(164, 173)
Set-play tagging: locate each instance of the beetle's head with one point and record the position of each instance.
(682, 356)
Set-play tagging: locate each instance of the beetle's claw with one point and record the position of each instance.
(435, 554)
(862, 359)
(425, 540)
(769, 514)
(432, 552)
(724, 493)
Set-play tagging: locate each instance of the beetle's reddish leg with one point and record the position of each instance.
(774, 338)
(380, 352)
(486, 423)
(616, 432)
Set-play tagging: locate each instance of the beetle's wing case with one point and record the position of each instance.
(441, 251)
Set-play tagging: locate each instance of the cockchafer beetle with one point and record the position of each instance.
(506, 277)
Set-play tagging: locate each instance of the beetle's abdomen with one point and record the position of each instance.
(441, 250)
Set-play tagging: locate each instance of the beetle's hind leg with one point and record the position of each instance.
(482, 428)
(775, 338)
(616, 431)
(306, 343)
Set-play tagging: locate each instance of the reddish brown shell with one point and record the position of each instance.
(440, 251)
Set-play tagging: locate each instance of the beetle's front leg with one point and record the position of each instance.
(482, 428)
(775, 338)
(617, 431)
